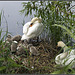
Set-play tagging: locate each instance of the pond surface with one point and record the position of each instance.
(13, 17)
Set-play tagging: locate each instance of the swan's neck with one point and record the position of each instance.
(64, 54)
(37, 19)
(65, 48)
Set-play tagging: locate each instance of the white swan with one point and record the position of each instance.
(67, 57)
(32, 29)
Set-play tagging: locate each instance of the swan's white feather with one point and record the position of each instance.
(65, 58)
(33, 31)
(26, 27)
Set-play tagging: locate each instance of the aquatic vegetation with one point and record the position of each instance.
(51, 12)
(7, 65)
(58, 21)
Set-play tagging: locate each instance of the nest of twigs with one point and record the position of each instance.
(43, 63)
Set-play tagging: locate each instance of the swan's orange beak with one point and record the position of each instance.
(31, 25)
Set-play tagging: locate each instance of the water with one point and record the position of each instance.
(13, 16)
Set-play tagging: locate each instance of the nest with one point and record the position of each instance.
(43, 63)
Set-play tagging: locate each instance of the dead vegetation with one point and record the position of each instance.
(42, 64)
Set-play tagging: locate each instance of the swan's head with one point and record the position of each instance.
(36, 19)
(33, 21)
(60, 44)
(39, 20)
(9, 36)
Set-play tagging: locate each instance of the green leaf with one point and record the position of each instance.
(67, 30)
(2, 68)
(57, 72)
(73, 16)
(0, 33)
(25, 67)
(13, 63)
(10, 60)
(2, 59)
(0, 17)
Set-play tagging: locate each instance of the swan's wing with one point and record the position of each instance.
(25, 27)
(58, 60)
(72, 52)
(70, 59)
(63, 55)
(24, 37)
(35, 30)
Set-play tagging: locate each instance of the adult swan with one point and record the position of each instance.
(66, 57)
(32, 29)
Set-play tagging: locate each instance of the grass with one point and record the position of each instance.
(7, 65)
(52, 12)
(68, 31)
(66, 69)
(55, 24)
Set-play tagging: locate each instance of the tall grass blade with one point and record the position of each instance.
(2, 59)
(0, 17)
(2, 68)
(67, 30)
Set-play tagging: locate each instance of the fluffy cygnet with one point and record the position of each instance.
(33, 50)
(16, 38)
(9, 39)
(20, 49)
(14, 46)
(9, 36)
(7, 44)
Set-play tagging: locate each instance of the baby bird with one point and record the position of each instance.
(9, 36)
(20, 49)
(16, 38)
(9, 39)
(33, 50)
(7, 42)
(14, 46)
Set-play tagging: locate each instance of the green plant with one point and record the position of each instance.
(7, 65)
(64, 70)
(0, 17)
(51, 12)
(71, 32)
